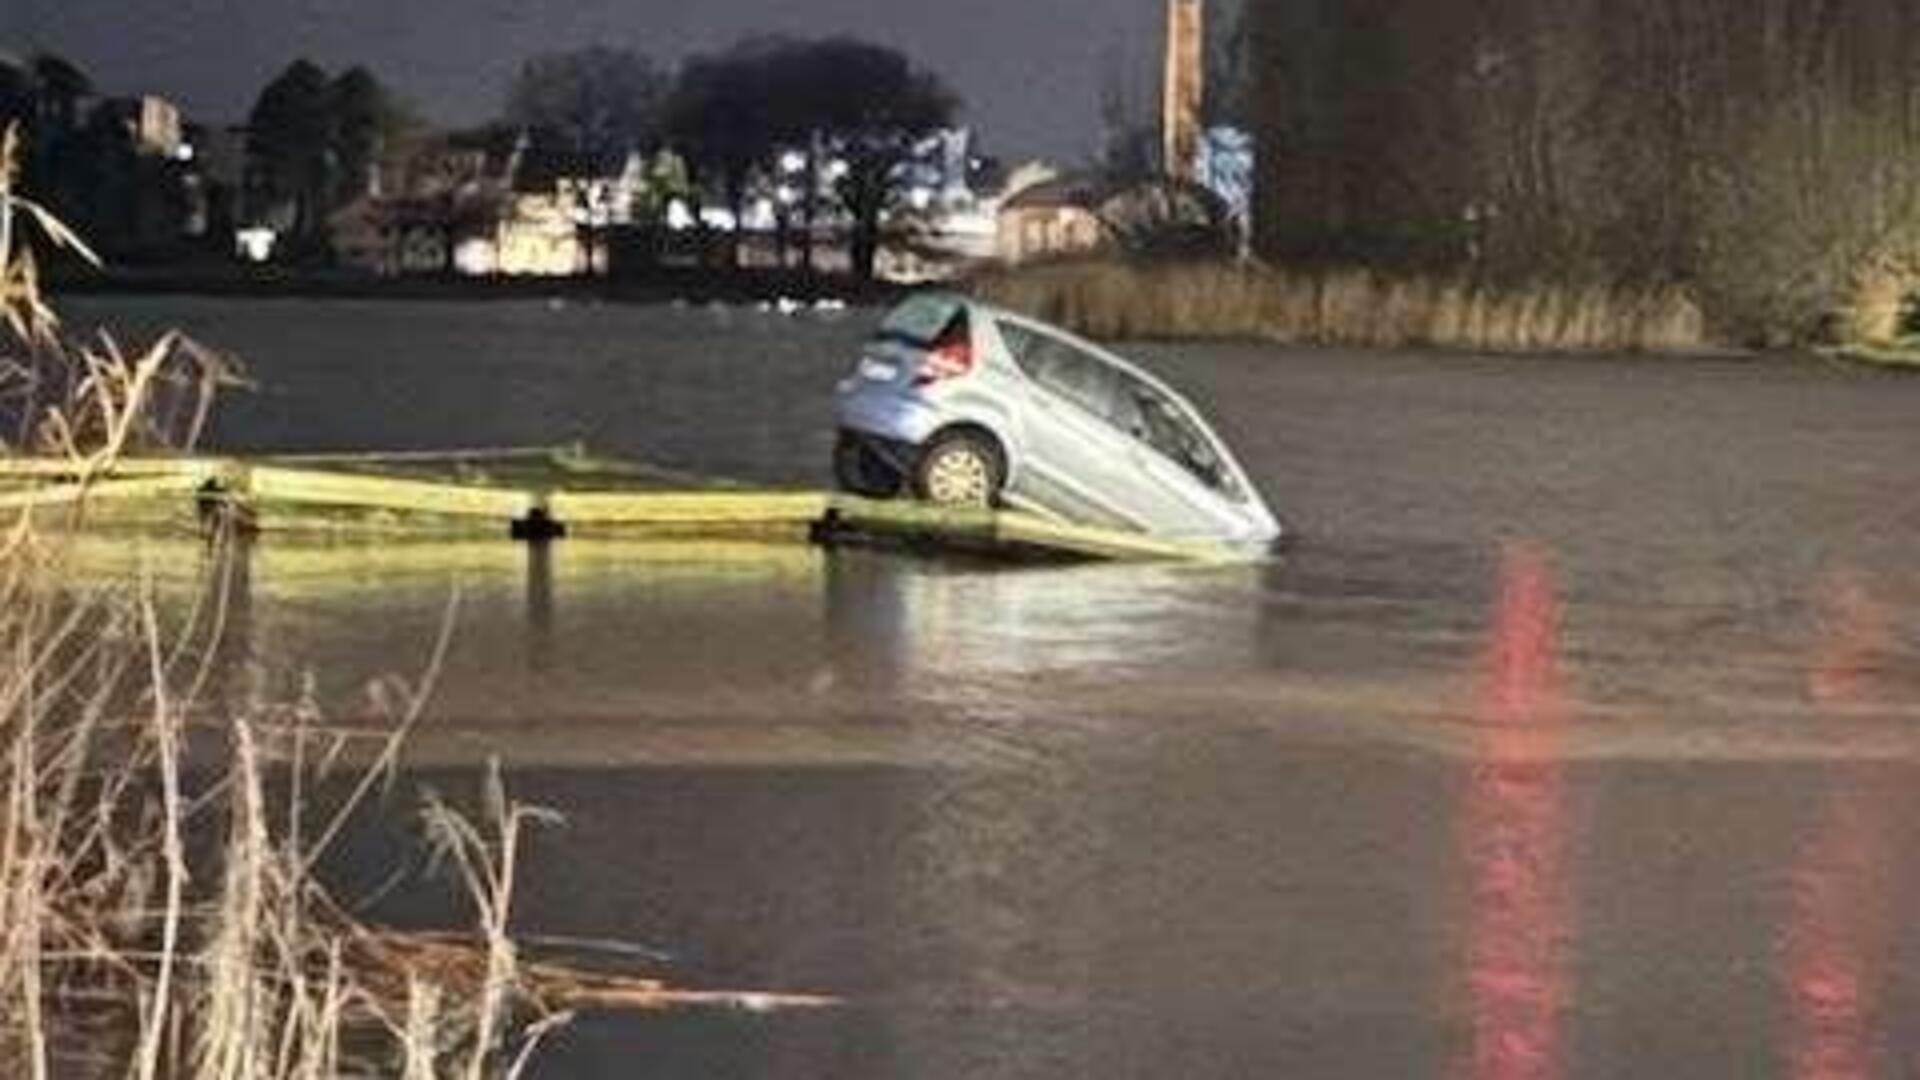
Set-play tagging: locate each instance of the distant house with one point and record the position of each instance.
(395, 236)
(1083, 214)
(529, 213)
(152, 124)
(446, 199)
(357, 233)
(560, 201)
(540, 236)
(1054, 218)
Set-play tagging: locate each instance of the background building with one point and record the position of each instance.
(1054, 218)
(152, 124)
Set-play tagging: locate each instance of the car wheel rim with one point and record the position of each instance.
(960, 478)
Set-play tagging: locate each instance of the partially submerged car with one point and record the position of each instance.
(965, 404)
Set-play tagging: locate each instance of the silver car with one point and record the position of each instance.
(964, 404)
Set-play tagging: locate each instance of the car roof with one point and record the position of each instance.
(1131, 367)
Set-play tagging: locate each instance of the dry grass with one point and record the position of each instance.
(1119, 301)
(122, 953)
(157, 921)
(1877, 306)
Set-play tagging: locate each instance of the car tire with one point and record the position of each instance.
(960, 469)
(859, 469)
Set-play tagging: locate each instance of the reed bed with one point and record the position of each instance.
(165, 920)
(1121, 300)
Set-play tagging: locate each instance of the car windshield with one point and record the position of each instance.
(1151, 416)
(921, 320)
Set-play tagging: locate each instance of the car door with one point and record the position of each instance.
(1076, 461)
(1184, 482)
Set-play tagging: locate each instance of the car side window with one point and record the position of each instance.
(1157, 420)
(1064, 369)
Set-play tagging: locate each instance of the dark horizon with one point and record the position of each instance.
(1029, 71)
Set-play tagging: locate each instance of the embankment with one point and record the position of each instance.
(1118, 300)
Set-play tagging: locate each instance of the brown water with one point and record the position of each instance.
(1576, 739)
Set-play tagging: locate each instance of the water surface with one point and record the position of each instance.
(1576, 738)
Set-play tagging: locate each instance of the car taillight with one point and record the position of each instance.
(949, 358)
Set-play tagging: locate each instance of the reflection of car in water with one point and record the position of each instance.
(965, 404)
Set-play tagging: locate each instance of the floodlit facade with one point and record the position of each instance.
(540, 237)
(153, 125)
(1052, 219)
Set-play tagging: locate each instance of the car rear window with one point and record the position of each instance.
(921, 320)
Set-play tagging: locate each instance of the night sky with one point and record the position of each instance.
(1030, 71)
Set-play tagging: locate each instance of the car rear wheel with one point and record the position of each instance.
(960, 468)
(860, 469)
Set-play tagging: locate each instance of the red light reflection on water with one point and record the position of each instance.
(1513, 838)
(1835, 930)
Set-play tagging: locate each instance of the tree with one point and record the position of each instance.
(1129, 123)
(1765, 153)
(719, 117)
(81, 165)
(316, 143)
(60, 86)
(16, 92)
(869, 105)
(290, 147)
(598, 101)
(1167, 217)
(366, 126)
(1229, 85)
(861, 105)
(43, 94)
(86, 165)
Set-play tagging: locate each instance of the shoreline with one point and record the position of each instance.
(663, 287)
(750, 286)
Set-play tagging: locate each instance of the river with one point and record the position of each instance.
(1574, 737)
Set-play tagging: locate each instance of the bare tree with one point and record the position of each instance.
(597, 100)
(1765, 152)
(864, 104)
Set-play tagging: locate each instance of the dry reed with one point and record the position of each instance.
(1118, 301)
(165, 924)
(1878, 305)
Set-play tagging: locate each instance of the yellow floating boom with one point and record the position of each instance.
(543, 493)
